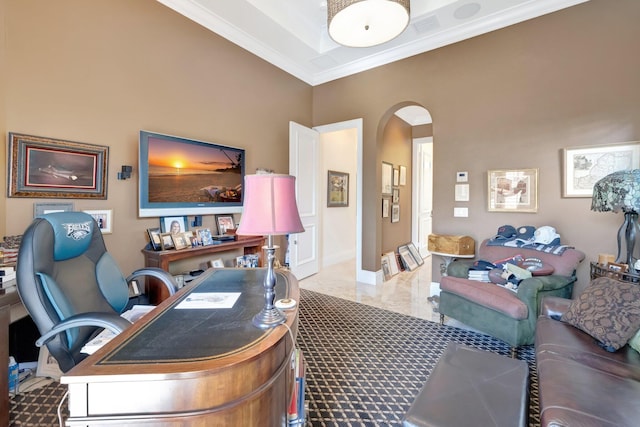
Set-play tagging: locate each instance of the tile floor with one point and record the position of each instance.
(405, 293)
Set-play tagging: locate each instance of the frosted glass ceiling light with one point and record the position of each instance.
(365, 23)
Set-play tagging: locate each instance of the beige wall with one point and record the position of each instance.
(396, 149)
(100, 71)
(508, 99)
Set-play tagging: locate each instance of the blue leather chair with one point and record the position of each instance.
(70, 284)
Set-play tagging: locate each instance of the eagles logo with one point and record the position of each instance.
(78, 230)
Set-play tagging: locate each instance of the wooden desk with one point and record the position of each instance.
(192, 367)
(163, 259)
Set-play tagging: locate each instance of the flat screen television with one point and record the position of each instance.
(179, 176)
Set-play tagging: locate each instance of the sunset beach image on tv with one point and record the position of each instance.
(178, 173)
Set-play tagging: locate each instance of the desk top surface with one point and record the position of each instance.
(179, 335)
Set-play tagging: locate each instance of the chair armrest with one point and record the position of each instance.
(167, 279)
(110, 321)
(459, 269)
(529, 289)
(554, 307)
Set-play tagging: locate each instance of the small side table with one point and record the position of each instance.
(448, 259)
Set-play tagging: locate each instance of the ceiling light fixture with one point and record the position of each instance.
(366, 23)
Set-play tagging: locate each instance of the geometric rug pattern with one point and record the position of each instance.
(364, 365)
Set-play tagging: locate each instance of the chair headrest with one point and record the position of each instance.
(72, 233)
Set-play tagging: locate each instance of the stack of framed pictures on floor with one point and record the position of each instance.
(407, 258)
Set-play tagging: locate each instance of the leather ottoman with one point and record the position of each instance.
(472, 387)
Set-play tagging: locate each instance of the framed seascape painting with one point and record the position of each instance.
(584, 166)
(513, 190)
(54, 168)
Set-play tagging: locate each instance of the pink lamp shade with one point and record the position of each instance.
(270, 206)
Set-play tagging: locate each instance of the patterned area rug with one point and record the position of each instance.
(365, 365)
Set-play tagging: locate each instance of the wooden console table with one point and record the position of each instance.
(193, 367)
(163, 259)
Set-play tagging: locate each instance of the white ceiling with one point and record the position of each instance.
(292, 34)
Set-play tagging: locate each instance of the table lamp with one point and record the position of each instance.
(270, 209)
(620, 191)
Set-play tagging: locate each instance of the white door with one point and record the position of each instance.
(304, 164)
(422, 193)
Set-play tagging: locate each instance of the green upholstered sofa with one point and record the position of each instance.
(498, 311)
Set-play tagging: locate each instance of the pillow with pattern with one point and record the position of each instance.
(608, 310)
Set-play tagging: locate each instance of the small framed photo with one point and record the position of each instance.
(45, 208)
(403, 175)
(395, 198)
(618, 268)
(217, 263)
(203, 236)
(104, 219)
(181, 240)
(415, 253)
(385, 208)
(407, 259)
(395, 213)
(166, 242)
(387, 178)
(396, 177)
(337, 189)
(173, 224)
(224, 223)
(154, 238)
(513, 190)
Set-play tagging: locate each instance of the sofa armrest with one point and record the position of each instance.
(459, 269)
(554, 307)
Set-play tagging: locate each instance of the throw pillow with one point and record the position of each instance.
(608, 310)
(635, 341)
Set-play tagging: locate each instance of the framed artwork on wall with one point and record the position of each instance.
(387, 178)
(45, 208)
(104, 218)
(403, 175)
(54, 168)
(584, 166)
(337, 189)
(395, 213)
(513, 190)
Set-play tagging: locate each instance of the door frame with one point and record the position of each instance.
(364, 276)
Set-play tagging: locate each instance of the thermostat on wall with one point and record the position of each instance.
(462, 176)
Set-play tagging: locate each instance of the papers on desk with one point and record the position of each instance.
(132, 315)
(209, 300)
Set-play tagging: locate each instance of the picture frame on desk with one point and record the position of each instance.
(224, 223)
(166, 242)
(204, 237)
(181, 240)
(154, 238)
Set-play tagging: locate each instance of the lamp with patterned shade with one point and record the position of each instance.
(620, 191)
(270, 209)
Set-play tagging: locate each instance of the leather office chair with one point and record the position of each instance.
(70, 284)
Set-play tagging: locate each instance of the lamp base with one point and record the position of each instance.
(268, 318)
